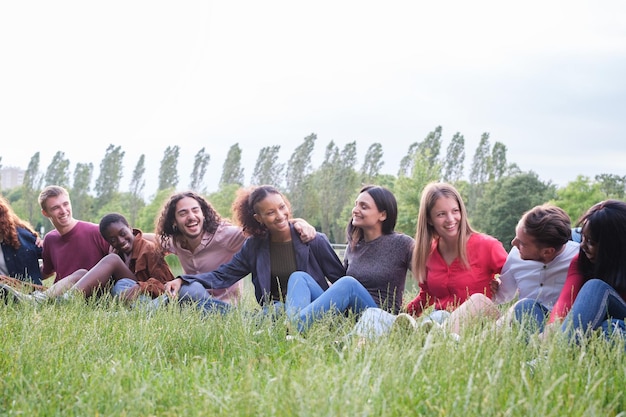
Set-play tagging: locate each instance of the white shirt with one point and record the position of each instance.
(534, 279)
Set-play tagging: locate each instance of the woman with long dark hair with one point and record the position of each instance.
(377, 260)
(594, 292)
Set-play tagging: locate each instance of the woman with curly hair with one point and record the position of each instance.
(20, 246)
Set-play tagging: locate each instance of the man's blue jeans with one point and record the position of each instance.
(194, 292)
(306, 301)
(597, 305)
(531, 313)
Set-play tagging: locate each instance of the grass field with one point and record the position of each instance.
(101, 359)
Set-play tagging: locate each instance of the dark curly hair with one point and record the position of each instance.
(9, 222)
(244, 208)
(164, 227)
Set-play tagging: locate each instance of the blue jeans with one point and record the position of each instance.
(306, 301)
(122, 285)
(531, 313)
(194, 292)
(597, 305)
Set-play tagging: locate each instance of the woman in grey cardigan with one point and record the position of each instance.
(377, 260)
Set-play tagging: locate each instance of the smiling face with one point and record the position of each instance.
(59, 211)
(588, 245)
(120, 237)
(445, 217)
(366, 215)
(189, 218)
(273, 212)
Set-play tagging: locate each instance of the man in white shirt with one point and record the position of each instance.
(537, 265)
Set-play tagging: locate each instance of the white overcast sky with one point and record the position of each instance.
(546, 78)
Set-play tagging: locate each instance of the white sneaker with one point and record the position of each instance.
(404, 323)
(39, 297)
(427, 324)
(7, 291)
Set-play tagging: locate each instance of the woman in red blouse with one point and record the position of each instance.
(453, 263)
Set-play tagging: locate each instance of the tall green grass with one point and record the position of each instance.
(100, 358)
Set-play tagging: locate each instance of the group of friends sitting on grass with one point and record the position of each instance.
(552, 282)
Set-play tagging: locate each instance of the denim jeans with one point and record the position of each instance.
(194, 292)
(597, 305)
(306, 301)
(122, 285)
(531, 313)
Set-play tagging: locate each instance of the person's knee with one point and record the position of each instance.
(122, 285)
(297, 277)
(480, 300)
(193, 291)
(347, 281)
(594, 284)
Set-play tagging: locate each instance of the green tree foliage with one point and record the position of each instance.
(455, 159)
(498, 161)
(505, 200)
(428, 151)
(82, 201)
(430, 148)
(32, 187)
(407, 160)
(32, 176)
(481, 164)
(372, 163)
(168, 173)
(200, 163)
(613, 186)
(149, 214)
(222, 200)
(58, 172)
(297, 178)
(578, 195)
(137, 184)
(480, 173)
(267, 169)
(408, 189)
(232, 172)
(111, 172)
(336, 184)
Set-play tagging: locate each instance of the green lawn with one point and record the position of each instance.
(99, 358)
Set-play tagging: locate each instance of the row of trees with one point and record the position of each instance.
(496, 192)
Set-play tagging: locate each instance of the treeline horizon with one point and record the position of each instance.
(495, 192)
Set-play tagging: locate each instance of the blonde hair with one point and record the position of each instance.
(49, 192)
(425, 232)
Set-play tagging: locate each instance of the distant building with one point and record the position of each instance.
(11, 177)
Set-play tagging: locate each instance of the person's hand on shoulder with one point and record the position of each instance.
(305, 230)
